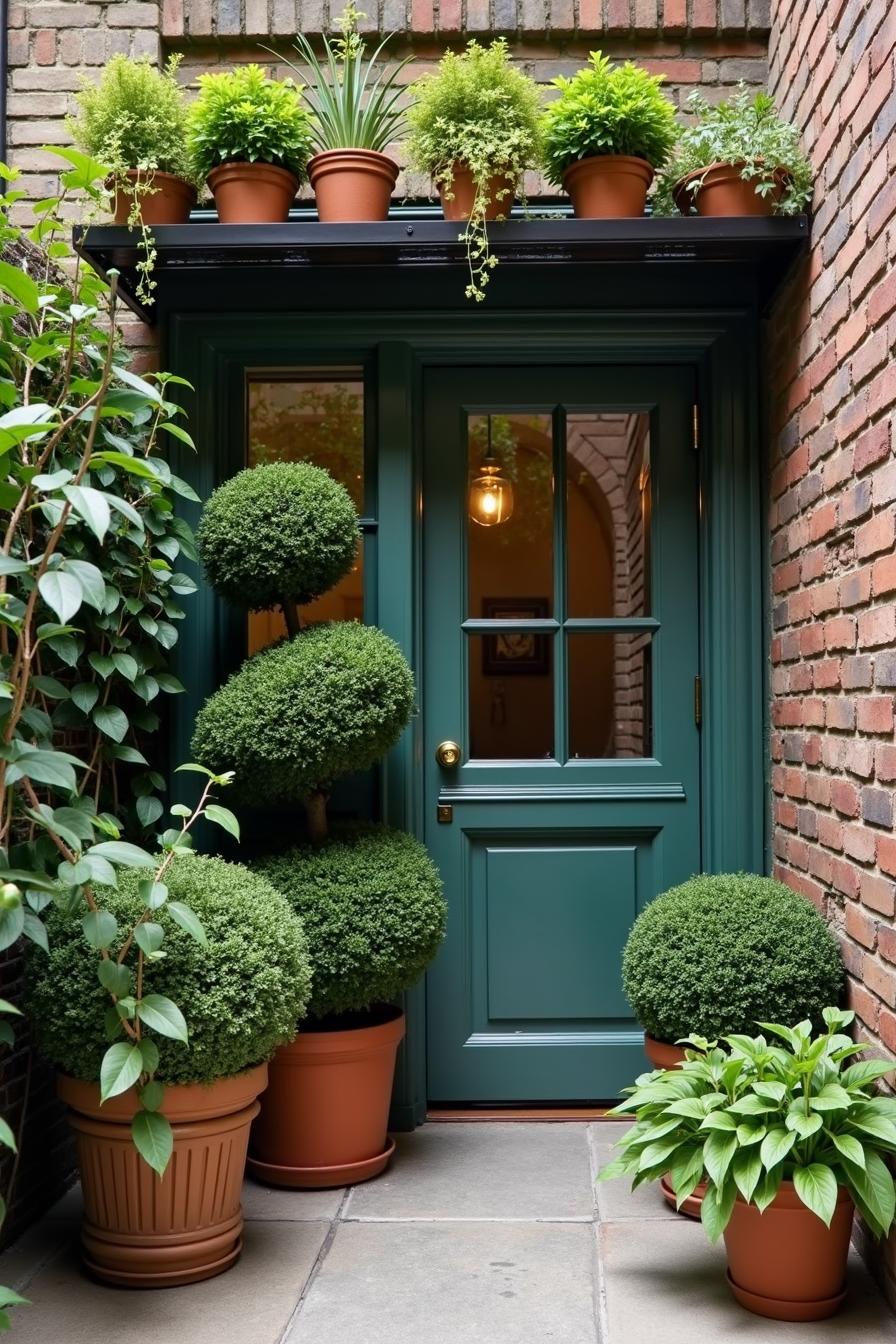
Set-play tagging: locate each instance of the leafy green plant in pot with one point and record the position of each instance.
(738, 158)
(605, 134)
(789, 1137)
(250, 137)
(717, 953)
(357, 115)
(330, 700)
(476, 128)
(161, 1006)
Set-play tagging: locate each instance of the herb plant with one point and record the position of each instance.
(750, 1114)
(135, 117)
(744, 130)
(354, 107)
(607, 109)
(480, 112)
(242, 116)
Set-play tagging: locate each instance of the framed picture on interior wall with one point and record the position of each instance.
(516, 652)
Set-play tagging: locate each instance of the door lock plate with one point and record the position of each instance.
(444, 813)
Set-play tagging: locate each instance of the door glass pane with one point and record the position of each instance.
(510, 511)
(610, 696)
(511, 696)
(313, 415)
(608, 514)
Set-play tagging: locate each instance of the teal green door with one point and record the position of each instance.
(560, 652)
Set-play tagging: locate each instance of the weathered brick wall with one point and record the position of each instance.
(833, 496)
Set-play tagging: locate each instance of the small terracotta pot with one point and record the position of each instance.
(324, 1116)
(252, 193)
(725, 194)
(463, 195)
(661, 1054)
(690, 1207)
(352, 185)
(169, 202)
(143, 1232)
(785, 1263)
(608, 186)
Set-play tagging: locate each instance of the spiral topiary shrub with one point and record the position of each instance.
(297, 716)
(720, 953)
(372, 907)
(285, 531)
(241, 995)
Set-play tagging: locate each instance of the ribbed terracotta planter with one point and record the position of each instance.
(324, 1116)
(352, 185)
(784, 1263)
(252, 193)
(143, 1232)
(725, 194)
(463, 195)
(169, 202)
(608, 186)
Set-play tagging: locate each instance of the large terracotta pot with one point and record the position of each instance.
(324, 1116)
(661, 1054)
(608, 186)
(143, 1232)
(252, 193)
(169, 202)
(724, 193)
(352, 185)
(784, 1263)
(463, 195)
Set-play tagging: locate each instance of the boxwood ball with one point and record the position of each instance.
(720, 953)
(242, 995)
(283, 530)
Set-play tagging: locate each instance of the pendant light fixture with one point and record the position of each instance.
(491, 493)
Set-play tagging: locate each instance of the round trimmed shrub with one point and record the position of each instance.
(242, 995)
(372, 907)
(298, 715)
(285, 530)
(720, 953)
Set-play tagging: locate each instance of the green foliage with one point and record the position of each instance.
(241, 116)
(297, 716)
(303, 529)
(747, 1117)
(371, 904)
(746, 130)
(607, 109)
(135, 117)
(479, 110)
(354, 107)
(242, 986)
(719, 953)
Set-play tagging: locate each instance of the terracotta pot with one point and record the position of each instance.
(724, 192)
(352, 185)
(690, 1207)
(661, 1054)
(169, 202)
(252, 193)
(608, 186)
(785, 1263)
(143, 1232)
(324, 1116)
(463, 195)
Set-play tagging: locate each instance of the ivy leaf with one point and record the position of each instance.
(149, 809)
(61, 592)
(85, 695)
(111, 720)
(126, 665)
(153, 1138)
(163, 1016)
(121, 1067)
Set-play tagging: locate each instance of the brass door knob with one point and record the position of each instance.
(448, 755)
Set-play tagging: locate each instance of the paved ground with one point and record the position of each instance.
(479, 1234)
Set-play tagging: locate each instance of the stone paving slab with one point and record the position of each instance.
(483, 1171)
(441, 1283)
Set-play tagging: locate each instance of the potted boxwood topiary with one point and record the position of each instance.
(719, 953)
(330, 700)
(788, 1136)
(250, 137)
(135, 121)
(604, 136)
(476, 128)
(739, 158)
(174, 1094)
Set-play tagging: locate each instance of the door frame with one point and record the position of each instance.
(213, 350)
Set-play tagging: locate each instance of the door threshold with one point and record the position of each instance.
(514, 1114)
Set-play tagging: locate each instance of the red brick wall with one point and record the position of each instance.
(833, 496)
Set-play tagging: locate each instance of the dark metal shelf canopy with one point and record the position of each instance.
(218, 251)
